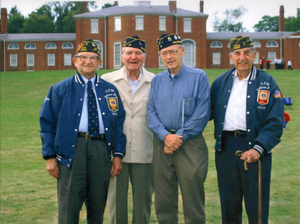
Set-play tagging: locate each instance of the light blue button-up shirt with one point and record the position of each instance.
(83, 125)
(181, 103)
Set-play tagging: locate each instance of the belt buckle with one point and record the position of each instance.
(87, 136)
(236, 133)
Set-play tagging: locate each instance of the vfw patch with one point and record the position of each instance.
(112, 103)
(263, 97)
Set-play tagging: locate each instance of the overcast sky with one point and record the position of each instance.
(256, 8)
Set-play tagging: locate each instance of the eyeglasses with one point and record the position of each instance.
(170, 52)
(83, 58)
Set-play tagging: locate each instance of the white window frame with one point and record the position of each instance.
(94, 26)
(160, 63)
(216, 58)
(162, 23)
(67, 45)
(30, 60)
(51, 59)
(139, 22)
(67, 59)
(13, 60)
(272, 43)
(216, 44)
(257, 44)
(190, 52)
(257, 59)
(117, 54)
(30, 46)
(13, 46)
(187, 25)
(50, 45)
(272, 56)
(117, 23)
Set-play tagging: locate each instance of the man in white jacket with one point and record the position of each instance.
(133, 83)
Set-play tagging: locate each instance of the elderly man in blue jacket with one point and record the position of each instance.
(247, 108)
(81, 123)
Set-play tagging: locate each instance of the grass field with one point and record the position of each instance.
(28, 193)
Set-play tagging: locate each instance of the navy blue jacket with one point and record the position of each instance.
(265, 109)
(60, 116)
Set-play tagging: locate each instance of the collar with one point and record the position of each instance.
(81, 79)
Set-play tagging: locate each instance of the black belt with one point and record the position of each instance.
(172, 131)
(87, 136)
(237, 134)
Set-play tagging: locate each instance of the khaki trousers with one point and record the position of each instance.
(187, 167)
(141, 179)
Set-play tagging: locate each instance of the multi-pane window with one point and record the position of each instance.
(67, 45)
(216, 44)
(162, 23)
(139, 22)
(117, 23)
(30, 46)
(216, 58)
(272, 56)
(51, 45)
(30, 59)
(189, 57)
(272, 43)
(13, 46)
(94, 26)
(100, 46)
(51, 59)
(67, 60)
(256, 61)
(117, 54)
(187, 25)
(13, 60)
(256, 44)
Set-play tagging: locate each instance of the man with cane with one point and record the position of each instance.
(247, 108)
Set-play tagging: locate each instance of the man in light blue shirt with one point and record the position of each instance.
(178, 111)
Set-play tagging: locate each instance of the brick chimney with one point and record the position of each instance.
(281, 19)
(172, 6)
(116, 3)
(84, 7)
(3, 21)
(201, 6)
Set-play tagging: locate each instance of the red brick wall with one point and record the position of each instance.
(40, 56)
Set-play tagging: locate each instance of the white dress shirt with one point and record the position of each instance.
(235, 117)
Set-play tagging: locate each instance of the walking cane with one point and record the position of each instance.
(239, 153)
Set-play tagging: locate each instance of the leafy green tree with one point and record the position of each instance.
(107, 5)
(15, 21)
(267, 23)
(41, 21)
(231, 22)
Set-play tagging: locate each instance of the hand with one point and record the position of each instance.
(52, 168)
(173, 141)
(116, 167)
(251, 156)
(167, 150)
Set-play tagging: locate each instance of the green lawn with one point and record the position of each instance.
(28, 193)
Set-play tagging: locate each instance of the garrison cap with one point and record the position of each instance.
(167, 40)
(135, 42)
(241, 42)
(88, 46)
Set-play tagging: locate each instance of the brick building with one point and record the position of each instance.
(109, 27)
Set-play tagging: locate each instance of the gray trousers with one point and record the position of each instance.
(187, 167)
(141, 179)
(86, 181)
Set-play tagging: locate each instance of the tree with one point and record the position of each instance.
(267, 23)
(15, 21)
(107, 5)
(231, 22)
